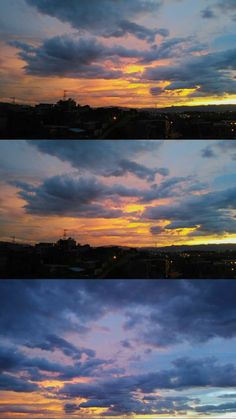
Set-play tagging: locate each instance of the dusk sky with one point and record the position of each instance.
(90, 349)
(118, 52)
(131, 193)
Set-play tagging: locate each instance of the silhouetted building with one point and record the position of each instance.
(66, 244)
(69, 120)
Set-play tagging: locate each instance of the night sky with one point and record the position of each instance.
(131, 193)
(114, 348)
(119, 52)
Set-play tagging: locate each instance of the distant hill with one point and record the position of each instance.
(168, 109)
(197, 247)
(199, 108)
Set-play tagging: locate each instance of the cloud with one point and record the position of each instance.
(68, 57)
(172, 187)
(209, 73)
(171, 48)
(17, 408)
(221, 6)
(210, 213)
(155, 91)
(208, 152)
(127, 404)
(228, 5)
(108, 157)
(227, 396)
(196, 311)
(208, 13)
(141, 32)
(139, 170)
(19, 385)
(165, 313)
(78, 196)
(220, 408)
(86, 57)
(35, 304)
(181, 324)
(105, 18)
(126, 344)
(156, 230)
(217, 148)
(118, 394)
(73, 196)
(38, 369)
(53, 342)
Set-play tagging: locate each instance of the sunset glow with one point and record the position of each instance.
(127, 193)
(110, 53)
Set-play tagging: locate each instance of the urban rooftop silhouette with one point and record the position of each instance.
(68, 120)
(67, 258)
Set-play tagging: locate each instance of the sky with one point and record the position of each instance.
(146, 349)
(118, 192)
(115, 52)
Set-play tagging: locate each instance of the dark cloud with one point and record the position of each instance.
(82, 57)
(106, 17)
(185, 372)
(181, 323)
(208, 13)
(126, 344)
(221, 6)
(209, 73)
(208, 152)
(71, 407)
(12, 361)
(171, 48)
(141, 32)
(53, 342)
(166, 313)
(33, 304)
(220, 147)
(227, 396)
(203, 372)
(139, 170)
(75, 196)
(118, 394)
(210, 213)
(155, 91)
(17, 408)
(196, 311)
(10, 383)
(107, 156)
(171, 187)
(69, 57)
(220, 408)
(227, 5)
(156, 230)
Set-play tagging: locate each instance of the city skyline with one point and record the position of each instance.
(142, 349)
(128, 193)
(141, 53)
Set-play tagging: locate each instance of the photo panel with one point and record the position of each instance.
(117, 348)
(118, 69)
(115, 209)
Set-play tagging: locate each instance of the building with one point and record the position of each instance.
(66, 244)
